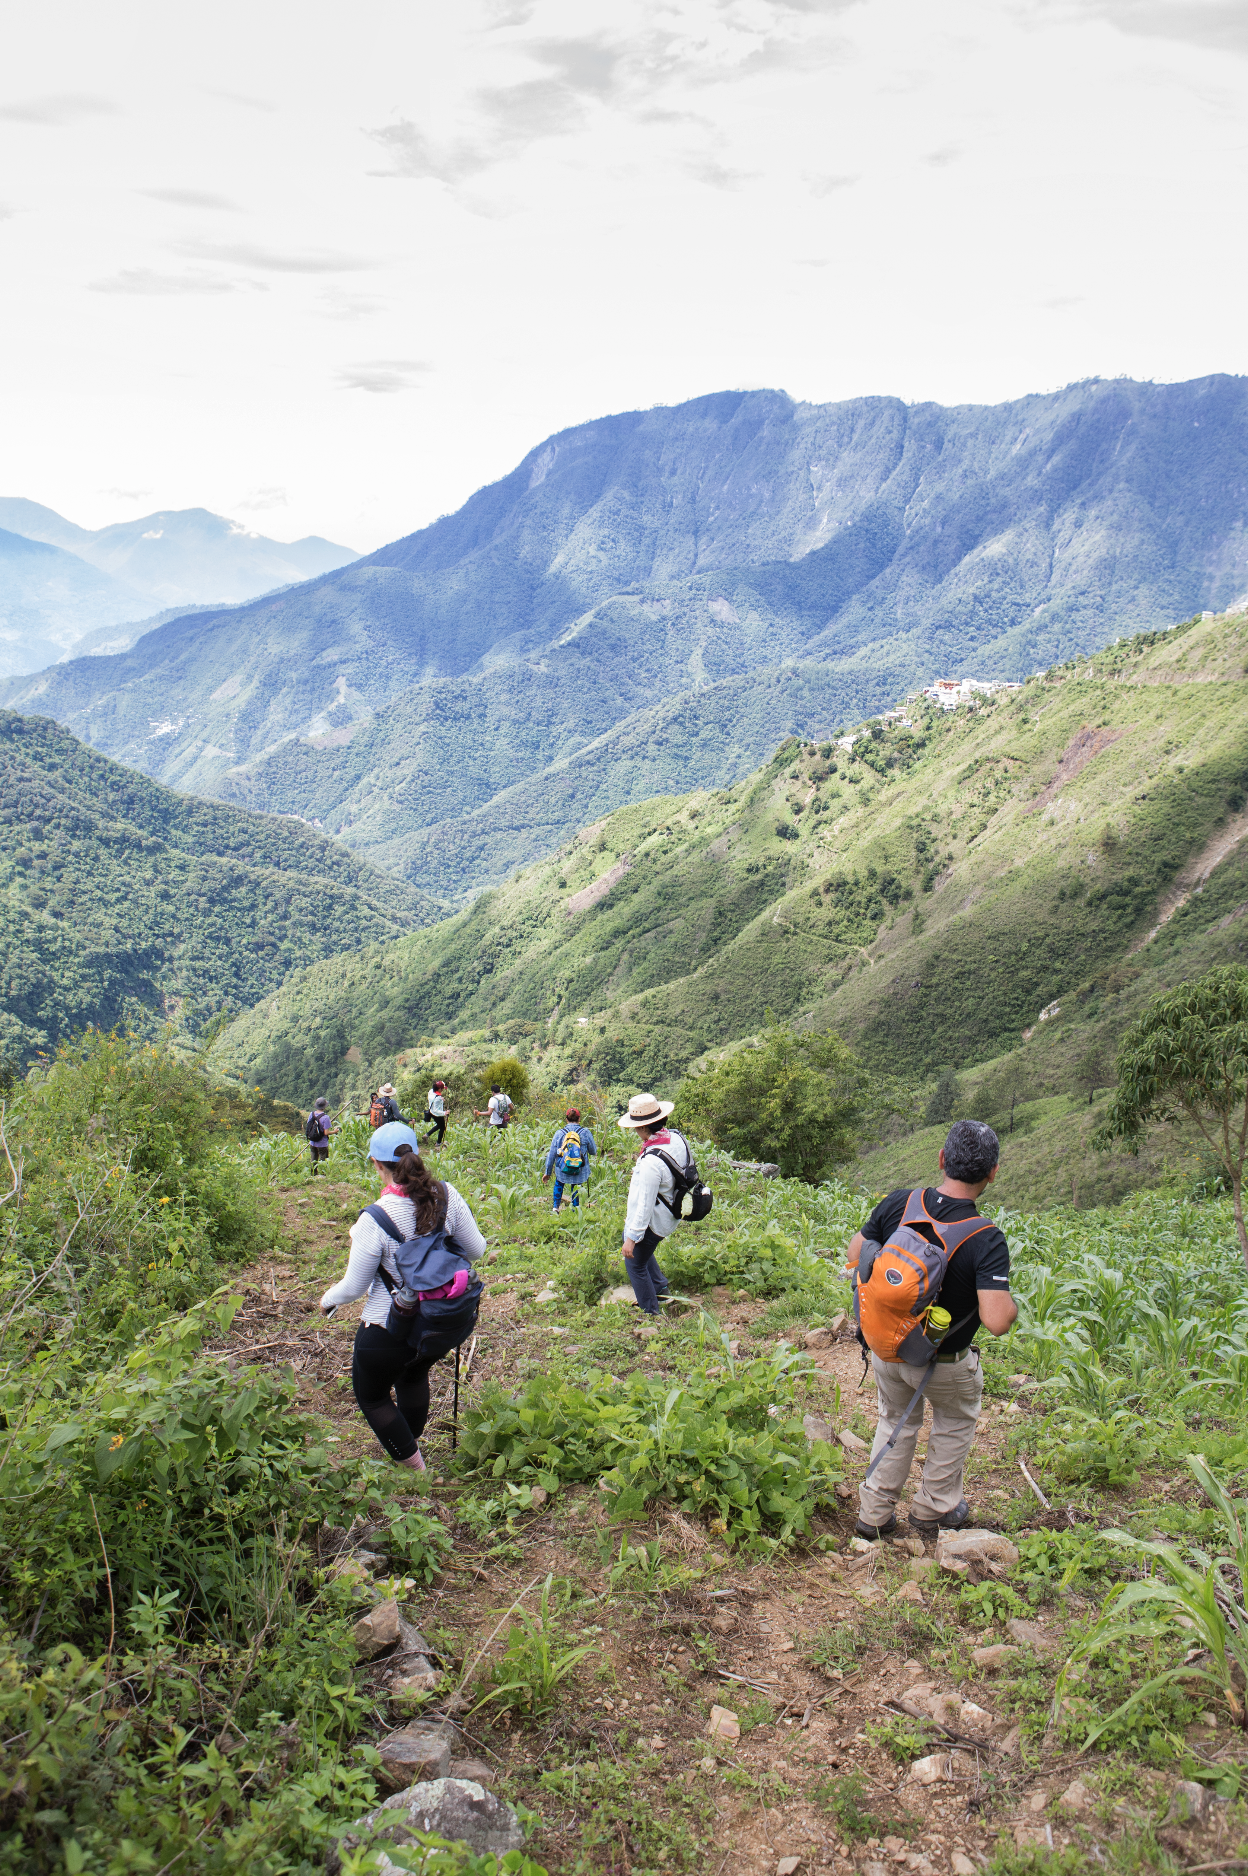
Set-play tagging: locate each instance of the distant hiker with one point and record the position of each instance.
(435, 1110)
(497, 1109)
(316, 1131)
(383, 1108)
(650, 1216)
(568, 1157)
(920, 1249)
(404, 1327)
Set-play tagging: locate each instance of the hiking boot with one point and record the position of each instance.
(874, 1532)
(951, 1521)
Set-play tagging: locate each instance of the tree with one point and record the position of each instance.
(1188, 1056)
(944, 1098)
(1092, 1070)
(1008, 1083)
(801, 1100)
(510, 1075)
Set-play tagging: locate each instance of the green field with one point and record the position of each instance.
(931, 895)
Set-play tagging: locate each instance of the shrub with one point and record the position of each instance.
(798, 1099)
(507, 1073)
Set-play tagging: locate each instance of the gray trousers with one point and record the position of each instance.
(955, 1392)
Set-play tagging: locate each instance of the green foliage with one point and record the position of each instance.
(903, 1740)
(509, 1075)
(528, 1675)
(1201, 1602)
(1188, 1055)
(944, 1100)
(124, 902)
(800, 1100)
(710, 1447)
(846, 1799)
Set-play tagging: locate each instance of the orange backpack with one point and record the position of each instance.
(896, 1284)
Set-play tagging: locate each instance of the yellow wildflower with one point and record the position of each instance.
(118, 1439)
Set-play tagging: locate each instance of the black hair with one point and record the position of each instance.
(971, 1151)
(410, 1173)
(494, 1088)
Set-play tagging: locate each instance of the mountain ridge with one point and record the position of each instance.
(671, 550)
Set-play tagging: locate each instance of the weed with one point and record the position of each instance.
(903, 1740)
(533, 1665)
(845, 1798)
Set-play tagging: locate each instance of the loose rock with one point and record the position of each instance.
(723, 1724)
(852, 1444)
(816, 1427)
(928, 1771)
(977, 1547)
(961, 1865)
(909, 1591)
(788, 1866)
(459, 1809)
(994, 1658)
(1190, 1803)
(377, 1630)
(1076, 1797)
(415, 1753)
(819, 1338)
(475, 1769)
(622, 1293)
(1031, 1635)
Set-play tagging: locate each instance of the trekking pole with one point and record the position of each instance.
(455, 1413)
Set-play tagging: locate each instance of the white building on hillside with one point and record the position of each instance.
(949, 692)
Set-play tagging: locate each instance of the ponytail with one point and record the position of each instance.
(413, 1179)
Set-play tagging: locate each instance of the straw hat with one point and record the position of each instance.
(387, 1087)
(645, 1111)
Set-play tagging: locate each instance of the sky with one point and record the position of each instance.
(328, 269)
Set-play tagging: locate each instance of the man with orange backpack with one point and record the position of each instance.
(928, 1270)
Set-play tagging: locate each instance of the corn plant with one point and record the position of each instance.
(1202, 1603)
(532, 1665)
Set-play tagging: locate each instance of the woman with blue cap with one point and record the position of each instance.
(400, 1338)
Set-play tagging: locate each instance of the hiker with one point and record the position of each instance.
(383, 1107)
(974, 1290)
(317, 1129)
(497, 1109)
(650, 1216)
(568, 1157)
(435, 1110)
(391, 1362)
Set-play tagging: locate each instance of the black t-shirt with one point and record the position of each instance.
(982, 1263)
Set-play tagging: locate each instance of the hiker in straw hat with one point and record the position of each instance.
(650, 1216)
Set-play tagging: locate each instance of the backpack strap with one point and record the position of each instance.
(679, 1173)
(381, 1217)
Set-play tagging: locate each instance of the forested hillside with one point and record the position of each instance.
(661, 552)
(122, 902)
(929, 895)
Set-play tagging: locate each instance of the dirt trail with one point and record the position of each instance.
(1196, 872)
(807, 1648)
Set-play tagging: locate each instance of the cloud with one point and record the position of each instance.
(147, 282)
(382, 374)
(239, 97)
(515, 117)
(941, 159)
(274, 260)
(1218, 25)
(334, 303)
(58, 111)
(189, 198)
(828, 185)
(717, 175)
(263, 498)
(127, 495)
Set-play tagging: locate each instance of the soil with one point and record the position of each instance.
(808, 1649)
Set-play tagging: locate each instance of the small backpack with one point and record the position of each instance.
(378, 1113)
(504, 1107)
(426, 1262)
(571, 1153)
(895, 1284)
(691, 1199)
(315, 1130)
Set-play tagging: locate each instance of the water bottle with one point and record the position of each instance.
(938, 1324)
(405, 1300)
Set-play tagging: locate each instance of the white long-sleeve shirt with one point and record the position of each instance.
(650, 1184)
(371, 1249)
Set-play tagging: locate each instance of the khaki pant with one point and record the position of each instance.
(955, 1391)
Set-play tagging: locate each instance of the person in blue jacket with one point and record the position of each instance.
(568, 1157)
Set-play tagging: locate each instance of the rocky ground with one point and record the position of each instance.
(831, 1708)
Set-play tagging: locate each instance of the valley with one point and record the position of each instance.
(742, 565)
(928, 894)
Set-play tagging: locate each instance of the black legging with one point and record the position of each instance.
(439, 1127)
(382, 1362)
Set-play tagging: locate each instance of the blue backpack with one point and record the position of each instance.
(572, 1152)
(426, 1262)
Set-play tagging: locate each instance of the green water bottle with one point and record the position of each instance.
(938, 1325)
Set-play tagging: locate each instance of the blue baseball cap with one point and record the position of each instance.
(387, 1140)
